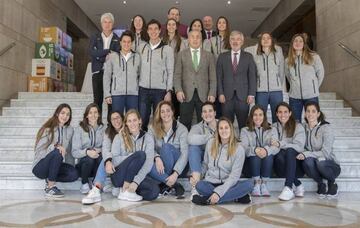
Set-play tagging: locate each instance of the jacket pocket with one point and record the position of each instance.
(259, 81)
(115, 79)
(163, 76)
(313, 82)
(277, 79)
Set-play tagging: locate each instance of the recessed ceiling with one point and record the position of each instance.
(244, 15)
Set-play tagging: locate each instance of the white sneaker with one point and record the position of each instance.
(85, 188)
(256, 191)
(299, 191)
(129, 196)
(264, 190)
(286, 194)
(93, 196)
(116, 191)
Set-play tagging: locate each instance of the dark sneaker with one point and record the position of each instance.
(332, 191)
(246, 199)
(179, 190)
(164, 189)
(200, 200)
(321, 190)
(53, 192)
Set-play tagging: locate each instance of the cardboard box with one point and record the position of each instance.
(46, 68)
(50, 35)
(70, 60)
(63, 57)
(58, 86)
(47, 51)
(64, 74)
(71, 76)
(40, 84)
(66, 42)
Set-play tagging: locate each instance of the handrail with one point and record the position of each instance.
(348, 50)
(7, 48)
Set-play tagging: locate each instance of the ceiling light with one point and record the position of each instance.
(124, 2)
(177, 2)
(228, 2)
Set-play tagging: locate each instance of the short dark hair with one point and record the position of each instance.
(208, 103)
(153, 21)
(174, 7)
(321, 118)
(127, 33)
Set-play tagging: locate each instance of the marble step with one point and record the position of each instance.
(62, 95)
(329, 112)
(34, 121)
(40, 112)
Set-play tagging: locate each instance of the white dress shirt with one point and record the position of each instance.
(106, 40)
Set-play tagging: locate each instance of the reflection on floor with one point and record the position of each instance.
(30, 209)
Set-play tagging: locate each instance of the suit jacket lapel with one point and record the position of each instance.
(202, 60)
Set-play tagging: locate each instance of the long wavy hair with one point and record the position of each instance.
(110, 130)
(226, 37)
(166, 37)
(259, 50)
(307, 54)
(157, 124)
(125, 132)
(84, 124)
(203, 34)
(250, 122)
(290, 125)
(52, 123)
(143, 34)
(217, 141)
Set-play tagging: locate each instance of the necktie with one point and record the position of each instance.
(235, 63)
(208, 35)
(195, 59)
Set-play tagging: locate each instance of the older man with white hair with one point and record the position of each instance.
(101, 44)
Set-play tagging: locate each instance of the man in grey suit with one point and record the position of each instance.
(236, 80)
(194, 79)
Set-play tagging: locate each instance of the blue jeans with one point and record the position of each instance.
(149, 98)
(87, 167)
(319, 170)
(101, 174)
(261, 167)
(297, 106)
(124, 103)
(169, 155)
(272, 98)
(53, 168)
(286, 165)
(196, 156)
(240, 189)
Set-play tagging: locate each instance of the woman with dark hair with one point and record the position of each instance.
(256, 137)
(305, 73)
(114, 126)
(319, 160)
(171, 147)
(269, 62)
(121, 76)
(197, 25)
(138, 28)
(222, 166)
(172, 37)
(291, 142)
(87, 145)
(52, 147)
(221, 42)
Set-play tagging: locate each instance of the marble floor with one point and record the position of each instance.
(28, 208)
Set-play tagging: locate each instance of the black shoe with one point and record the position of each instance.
(200, 200)
(164, 189)
(332, 190)
(321, 190)
(179, 190)
(246, 199)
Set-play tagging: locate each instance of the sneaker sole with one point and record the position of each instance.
(127, 199)
(96, 200)
(54, 196)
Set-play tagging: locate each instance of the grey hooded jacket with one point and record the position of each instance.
(224, 169)
(200, 134)
(82, 140)
(297, 141)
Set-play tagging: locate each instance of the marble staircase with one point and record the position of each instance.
(20, 122)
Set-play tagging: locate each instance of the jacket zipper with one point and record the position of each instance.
(218, 162)
(313, 85)
(267, 72)
(126, 76)
(301, 93)
(150, 69)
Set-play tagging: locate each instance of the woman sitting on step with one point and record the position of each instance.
(171, 148)
(87, 145)
(52, 148)
(291, 142)
(319, 159)
(223, 162)
(131, 159)
(256, 137)
(94, 196)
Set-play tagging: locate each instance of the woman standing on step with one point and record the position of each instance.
(121, 76)
(131, 159)
(291, 142)
(87, 145)
(116, 122)
(256, 137)
(319, 161)
(222, 166)
(138, 28)
(305, 73)
(171, 148)
(269, 61)
(52, 148)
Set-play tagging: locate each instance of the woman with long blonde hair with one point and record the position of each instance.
(171, 148)
(223, 162)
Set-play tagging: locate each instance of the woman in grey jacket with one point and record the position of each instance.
(138, 28)
(121, 76)
(305, 73)
(256, 138)
(222, 166)
(291, 142)
(131, 159)
(87, 145)
(269, 61)
(52, 147)
(171, 148)
(319, 159)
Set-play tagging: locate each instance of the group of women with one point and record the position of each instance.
(142, 165)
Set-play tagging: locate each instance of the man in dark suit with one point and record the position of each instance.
(101, 44)
(208, 26)
(236, 80)
(194, 79)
